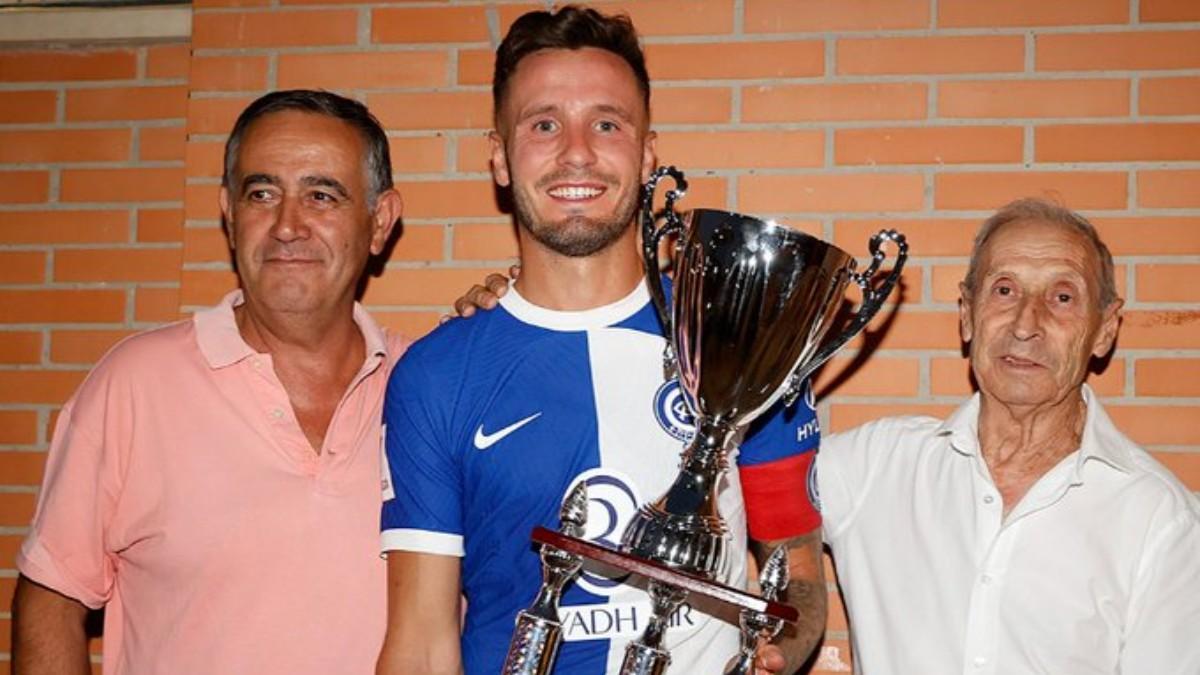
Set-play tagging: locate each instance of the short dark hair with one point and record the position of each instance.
(571, 27)
(378, 159)
(1043, 210)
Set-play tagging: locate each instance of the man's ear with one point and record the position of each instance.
(499, 159)
(966, 325)
(649, 156)
(389, 206)
(1110, 321)
(226, 214)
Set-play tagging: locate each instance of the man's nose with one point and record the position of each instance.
(290, 224)
(577, 150)
(1028, 323)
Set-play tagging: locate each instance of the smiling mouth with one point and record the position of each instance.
(1018, 362)
(575, 193)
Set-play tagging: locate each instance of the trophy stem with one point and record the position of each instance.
(646, 655)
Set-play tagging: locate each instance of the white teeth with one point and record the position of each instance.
(574, 192)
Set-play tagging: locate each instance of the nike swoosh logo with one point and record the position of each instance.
(484, 441)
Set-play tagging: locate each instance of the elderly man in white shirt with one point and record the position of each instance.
(1025, 533)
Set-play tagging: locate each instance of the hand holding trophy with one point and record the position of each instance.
(752, 302)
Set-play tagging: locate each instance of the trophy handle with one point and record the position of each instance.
(873, 299)
(652, 236)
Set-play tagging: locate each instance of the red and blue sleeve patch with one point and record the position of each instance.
(780, 496)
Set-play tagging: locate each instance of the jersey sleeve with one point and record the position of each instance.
(422, 485)
(67, 547)
(776, 467)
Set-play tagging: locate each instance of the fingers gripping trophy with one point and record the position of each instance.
(747, 323)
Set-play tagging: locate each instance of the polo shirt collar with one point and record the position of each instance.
(1100, 439)
(222, 345)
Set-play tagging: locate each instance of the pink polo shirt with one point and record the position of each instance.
(181, 494)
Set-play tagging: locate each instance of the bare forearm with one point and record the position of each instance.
(48, 637)
(424, 606)
(800, 639)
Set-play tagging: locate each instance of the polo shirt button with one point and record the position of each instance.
(988, 499)
(277, 413)
(257, 364)
(986, 579)
(979, 661)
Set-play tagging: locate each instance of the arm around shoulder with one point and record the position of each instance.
(49, 637)
(424, 610)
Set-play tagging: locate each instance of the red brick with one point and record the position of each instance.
(9, 545)
(1076, 190)
(160, 225)
(200, 202)
(906, 328)
(1160, 329)
(157, 305)
(205, 244)
(1160, 50)
(122, 185)
(783, 16)
(1167, 377)
(1169, 95)
(16, 510)
(941, 54)
(24, 107)
(64, 145)
(1158, 282)
(691, 105)
(937, 145)
(24, 187)
(22, 468)
(926, 236)
(825, 192)
(697, 150)
(276, 28)
(413, 324)
(473, 154)
(149, 264)
(877, 376)
(62, 306)
(1185, 465)
(205, 4)
(484, 241)
(168, 61)
(735, 60)
(654, 17)
(126, 103)
(22, 267)
(843, 416)
(418, 154)
(162, 143)
(420, 243)
(63, 227)
(1169, 189)
(1034, 98)
(54, 65)
(970, 13)
(228, 73)
(214, 115)
(20, 346)
(1157, 425)
(475, 66)
(204, 159)
(362, 70)
(38, 386)
(202, 288)
(1117, 142)
(858, 101)
(429, 24)
(1150, 235)
(83, 346)
(448, 199)
(18, 427)
(1168, 10)
(431, 286)
(433, 110)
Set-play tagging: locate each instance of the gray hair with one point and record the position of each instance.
(1038, 209)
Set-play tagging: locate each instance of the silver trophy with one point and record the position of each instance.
(756, 626)
(535, 641)
(752, 304)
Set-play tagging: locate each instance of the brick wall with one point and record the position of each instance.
(840, 116)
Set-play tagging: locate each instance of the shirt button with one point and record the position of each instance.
(277, 413)
(988, 499)
(979, 661)
(986, 579)
(257, 364)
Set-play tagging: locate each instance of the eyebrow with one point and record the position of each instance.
(307, 181)
(259, 178)
(605, 108)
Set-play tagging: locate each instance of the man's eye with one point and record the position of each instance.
(544, 125)
(607, 126)
(323, 197)
(1064, 298)
(1004, 290)
(258, 195)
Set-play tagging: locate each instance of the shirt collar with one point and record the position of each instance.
(222, 345)
(1101, 440)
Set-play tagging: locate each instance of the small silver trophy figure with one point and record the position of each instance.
(538, 633)
(758, 625)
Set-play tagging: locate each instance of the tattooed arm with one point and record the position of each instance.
(807, 593)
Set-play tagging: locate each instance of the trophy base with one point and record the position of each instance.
(722, 594)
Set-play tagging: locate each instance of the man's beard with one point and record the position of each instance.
(574, 236)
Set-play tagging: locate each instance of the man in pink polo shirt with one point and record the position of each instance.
(214, 483)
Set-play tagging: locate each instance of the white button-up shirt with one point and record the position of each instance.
(1096, 570)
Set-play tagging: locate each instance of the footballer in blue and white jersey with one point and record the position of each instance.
(492, 420)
